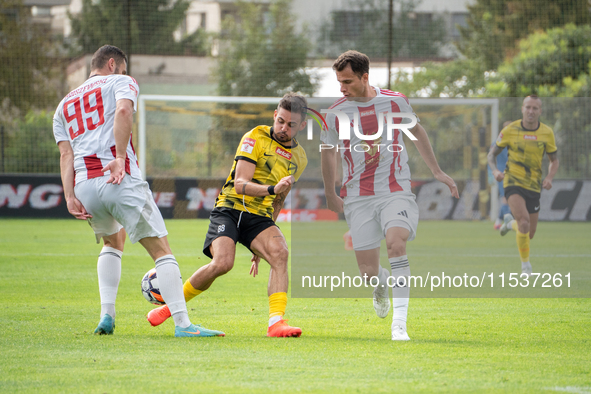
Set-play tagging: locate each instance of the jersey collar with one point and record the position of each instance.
(536, 129)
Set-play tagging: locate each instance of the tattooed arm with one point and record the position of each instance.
(278, 202)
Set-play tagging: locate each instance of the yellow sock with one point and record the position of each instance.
(277, 306)
(523, 246)
(514, 225)
(189, 291)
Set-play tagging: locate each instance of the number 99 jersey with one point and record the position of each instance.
(85, 118)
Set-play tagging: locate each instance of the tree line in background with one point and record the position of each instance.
(509, 48)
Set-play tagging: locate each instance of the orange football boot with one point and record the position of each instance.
(281, 329)
(158, 315)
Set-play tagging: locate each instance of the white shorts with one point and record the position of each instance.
(129, 205)
(370, 217)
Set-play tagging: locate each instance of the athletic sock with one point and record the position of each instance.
(523, 246)
(277, 306)
(513, 225)
(189, 291)
(108, 268)
(171, 288)
(401, 291)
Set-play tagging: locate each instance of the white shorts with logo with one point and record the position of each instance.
(129, 205)
(369, 217)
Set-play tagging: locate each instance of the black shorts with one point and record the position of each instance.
(241, 226)
(532, 199)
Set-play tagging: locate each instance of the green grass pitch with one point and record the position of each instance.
(51, 307)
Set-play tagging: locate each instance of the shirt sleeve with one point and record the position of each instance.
(551, 145)
(406, 108)
(249, 149)
(503, 138)
(301, 168)
(59, 131)
(127, 88)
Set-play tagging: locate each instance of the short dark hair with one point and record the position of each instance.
(104, 53)
(535, 97)
(294, 103)
(358, 61)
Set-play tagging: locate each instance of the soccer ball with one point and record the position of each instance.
(150, 288)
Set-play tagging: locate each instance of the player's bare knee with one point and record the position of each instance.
(523, 224)
(396, 248)
(223, 264)
(115, 241)
(278, 254)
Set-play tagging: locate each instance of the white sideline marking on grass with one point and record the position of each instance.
(571, 389)
(454, 255)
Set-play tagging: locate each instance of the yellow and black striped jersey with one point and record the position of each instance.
(273, 161)
(526, 150)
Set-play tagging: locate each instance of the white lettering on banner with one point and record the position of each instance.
(465, 206)
(164, 199)
(580, 211)
(201, 199)
(548, 196)
(15, 198)
(303, 216)
(434, 201)
(46, 196)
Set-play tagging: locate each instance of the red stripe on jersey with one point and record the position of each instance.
(348, 160)
(369, 125)
(93, 166)
(133, 79)
(394, 185)
(350, 166)
(338, 102)
(127, 165)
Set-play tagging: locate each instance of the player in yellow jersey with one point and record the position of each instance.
(526, 141)
(268, 161)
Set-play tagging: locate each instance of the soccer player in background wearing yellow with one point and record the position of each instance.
(526, 140)
(268, 161)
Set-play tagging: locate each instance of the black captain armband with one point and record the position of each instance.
(271, 190)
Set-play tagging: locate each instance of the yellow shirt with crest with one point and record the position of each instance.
(273, 161)
(526, 150)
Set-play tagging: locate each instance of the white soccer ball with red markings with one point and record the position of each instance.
(150, 288)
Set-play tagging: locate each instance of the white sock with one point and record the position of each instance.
(171, 288)
(526, 266)
(108, 268)
(274, 319)
(400, 294)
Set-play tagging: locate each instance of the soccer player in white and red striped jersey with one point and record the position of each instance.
(102, 184)
(376, 195)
